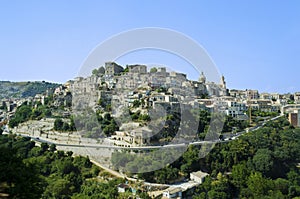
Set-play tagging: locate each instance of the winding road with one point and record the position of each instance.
(179, 145)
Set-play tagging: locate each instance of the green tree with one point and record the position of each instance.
(190, 160)
(44, 147)
(66, 126)
(72, 125)
(136, 103)
(59, 189)
(98, 72)
(263, 161)
(144, 117)
(23, 113)
(23, 181)
(52, 147)
(58, 124)
(239, 175)
(95, 72)
(153, 70)
(257, 185)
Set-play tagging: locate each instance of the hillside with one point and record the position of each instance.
(24, 89)
(30, 171)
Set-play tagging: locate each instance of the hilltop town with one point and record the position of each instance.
(113, 88)
(138, 109)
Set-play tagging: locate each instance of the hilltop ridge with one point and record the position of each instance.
(24, 89)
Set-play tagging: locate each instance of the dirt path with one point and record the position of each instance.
(113, 172)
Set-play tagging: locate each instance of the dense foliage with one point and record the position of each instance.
(96, 125)
(260, 164)
(99, 72)
(29, 111)
(29, 171)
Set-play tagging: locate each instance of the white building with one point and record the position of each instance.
(172, 192)
(198, 176)
(236, 108)
(122, 188)
(297, 97)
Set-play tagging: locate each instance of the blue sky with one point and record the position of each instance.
(255, 44)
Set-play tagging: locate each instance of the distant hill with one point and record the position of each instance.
(24, 89)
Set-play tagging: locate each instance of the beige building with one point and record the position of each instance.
(297, 97)
(132, 137)
(198, 176)
(289, 108)
(294, 118)
(265, 96)
(261, 105)
(237, 93)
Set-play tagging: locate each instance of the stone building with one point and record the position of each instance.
(212, 88)
(202, 78)
(141, 69)
(252, 94)
(111, 69)
(294, 118)
(240, 94)
(223, 83)
(133, 137)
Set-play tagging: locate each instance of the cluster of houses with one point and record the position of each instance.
(61, 97)
(9, 106)
(120, 87)
(166, 88)
(137, 82)
(132, 134)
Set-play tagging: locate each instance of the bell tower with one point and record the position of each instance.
(223, 82)
(202, 78)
